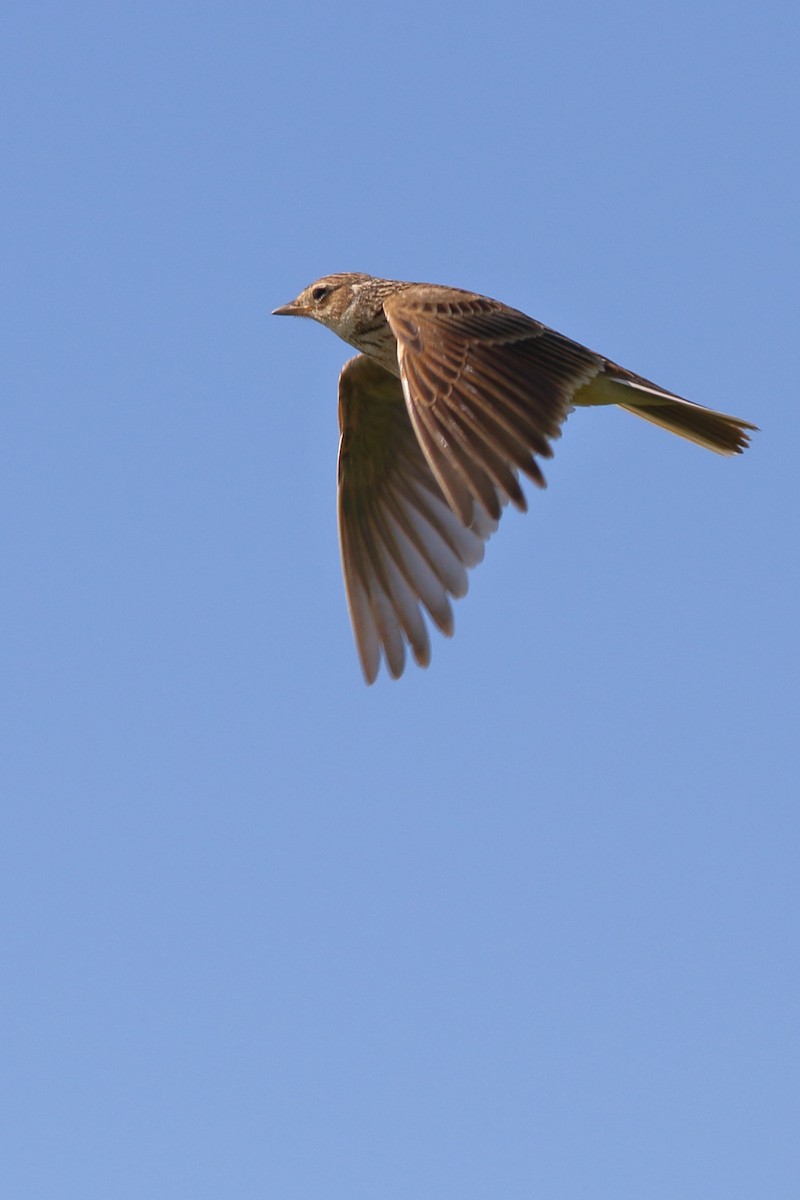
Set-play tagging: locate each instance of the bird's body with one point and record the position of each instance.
(453, 395)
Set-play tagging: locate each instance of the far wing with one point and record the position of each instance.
(403, 548)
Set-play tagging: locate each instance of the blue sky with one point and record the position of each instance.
(524, 924)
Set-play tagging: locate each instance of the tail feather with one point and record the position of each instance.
(715, 430)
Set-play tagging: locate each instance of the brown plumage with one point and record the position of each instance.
(451, 397)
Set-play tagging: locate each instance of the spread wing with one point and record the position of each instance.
(487, 389)
(403, 548)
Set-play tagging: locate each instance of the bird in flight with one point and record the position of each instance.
(451, 397)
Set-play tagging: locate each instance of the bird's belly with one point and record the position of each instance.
(380, 345)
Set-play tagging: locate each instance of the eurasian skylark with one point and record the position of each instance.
(452, 396)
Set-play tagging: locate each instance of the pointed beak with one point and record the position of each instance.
(293, 309)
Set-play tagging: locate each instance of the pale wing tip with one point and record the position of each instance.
(369, 669)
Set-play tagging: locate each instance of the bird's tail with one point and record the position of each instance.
(715, 430)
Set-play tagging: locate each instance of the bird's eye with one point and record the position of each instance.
(319, 293)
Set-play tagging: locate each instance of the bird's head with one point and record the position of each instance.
(329, 300)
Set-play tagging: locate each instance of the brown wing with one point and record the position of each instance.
(403, 549)
(487, 389)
